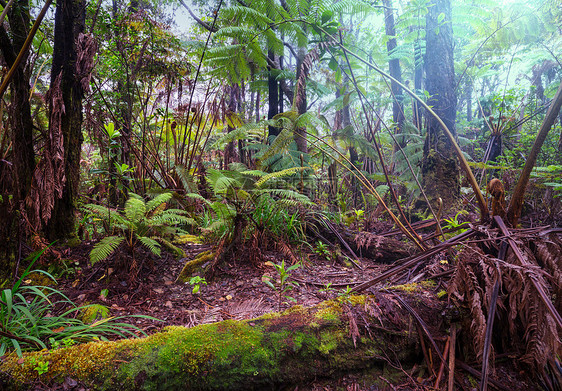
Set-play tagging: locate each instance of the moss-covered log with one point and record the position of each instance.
(292, 347)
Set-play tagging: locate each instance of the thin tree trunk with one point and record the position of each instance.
(440, 168)
(396, 72)
(273, 96)
(300, 98)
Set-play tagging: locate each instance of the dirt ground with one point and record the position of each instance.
(238, 292)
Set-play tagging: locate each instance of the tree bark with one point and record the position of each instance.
(69, 25)
(440, 168)
(300, 98)
(17, 170)
(396, 72)
(273, 96)
(275, 350)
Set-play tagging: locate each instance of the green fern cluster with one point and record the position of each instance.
(240, 192)
(144, 223)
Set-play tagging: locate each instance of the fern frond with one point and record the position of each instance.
(134, 210)
(187, 178)
(279, 174)
(198, 197)
(220, 183)
(172, 217)
(104, 213)
(150, 244)
(281, 142)
(157, 201)
(286, 194)
(104, 248)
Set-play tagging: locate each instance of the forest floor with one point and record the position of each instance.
(238, 292)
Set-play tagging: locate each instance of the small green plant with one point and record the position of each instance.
(345, 294)
(283, 285)
(142, 223)
(39, 365)
(327, 288)
(454, 223)
(196, 283)
(65, 343)
(322, 249)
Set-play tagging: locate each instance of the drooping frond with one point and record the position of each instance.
(150, 244)
(221, 183)
(247, 15)
(104, 248)
(172, 217)
(157, 201)
(278, 145)
(286, 196)
(104, 213)
(187, 178)
(252, 131)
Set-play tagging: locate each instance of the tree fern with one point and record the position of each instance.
(104, 248)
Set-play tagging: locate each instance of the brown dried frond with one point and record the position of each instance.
(365, 239)
(257, 242)
(465, 288)
(49, 176)
(287, 251)
(353, 328)
(248, 309)
(548, 253)
(86, 47)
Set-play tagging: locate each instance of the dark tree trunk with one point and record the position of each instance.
(273, 96)
(17, 170)
(74, 76)
(418, 77)
(440, 168)
(300, 98)
(395, 72)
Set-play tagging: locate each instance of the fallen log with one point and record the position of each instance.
(296, 346)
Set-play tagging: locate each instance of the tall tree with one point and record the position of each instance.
(72, 63)
(440, 168)
(395, 71)
(18, 159)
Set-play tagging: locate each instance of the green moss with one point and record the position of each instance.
(301, 343)
(192, 265)
(93, 312)
(415, 287)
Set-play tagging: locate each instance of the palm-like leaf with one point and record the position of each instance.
(104, 248)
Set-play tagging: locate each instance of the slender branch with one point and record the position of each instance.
(464, 164)
(24, 48)
(202, 23)
(516, 202)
